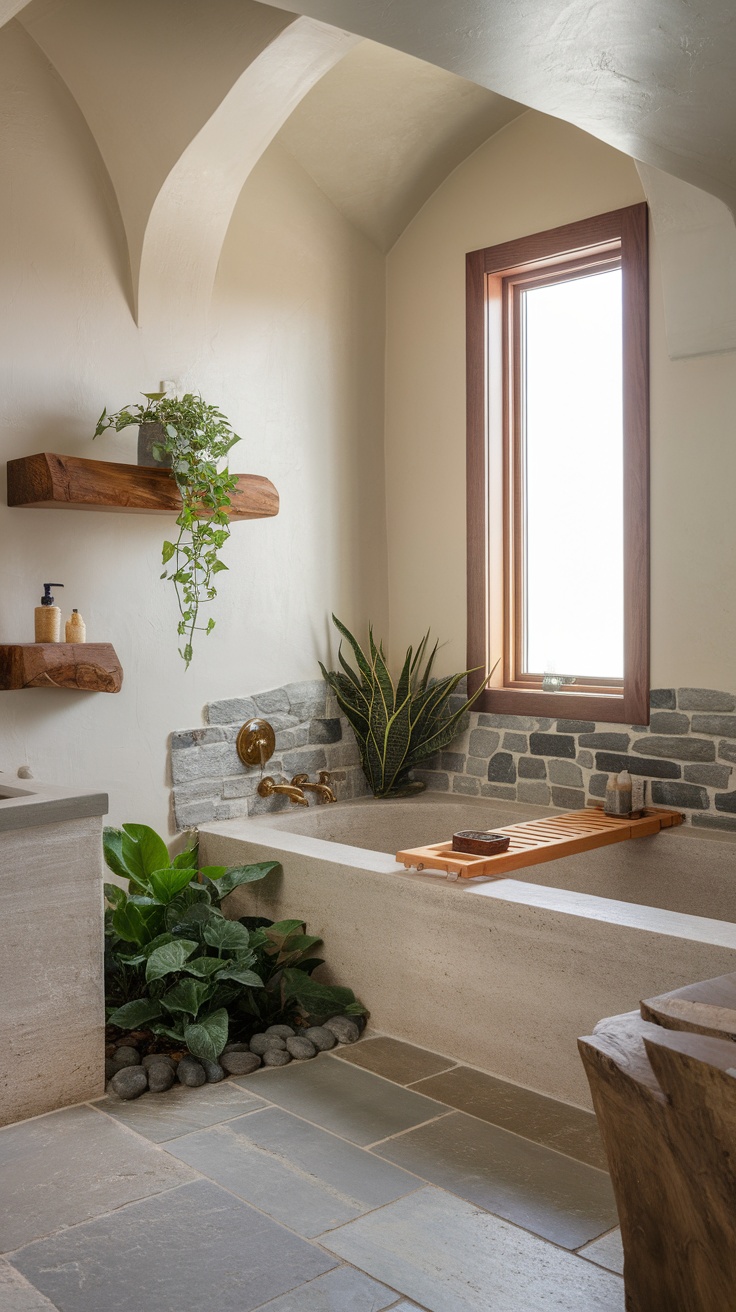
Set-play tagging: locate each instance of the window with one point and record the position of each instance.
(558, 471)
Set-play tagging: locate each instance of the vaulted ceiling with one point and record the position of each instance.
(655, 78)
(381, 130)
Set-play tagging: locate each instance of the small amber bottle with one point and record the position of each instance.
(76, 629)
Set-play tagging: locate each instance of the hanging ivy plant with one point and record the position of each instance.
(196, 436)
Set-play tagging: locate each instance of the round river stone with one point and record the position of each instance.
(322, 1039)
(276, 1057)
(344, 1029)
(300, 1049)
(160, 1076)
(130, 1082)
(125, 1056)
(213, 1070)
(110, 1068)
(260, 1043)
(158, 1056)
(283, 1031)
(191, 1072)
(240, 1063)
(236, 1047)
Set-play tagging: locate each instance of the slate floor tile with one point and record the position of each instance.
(401, 1062)
(452, 1257)
(352, 1103)
(162, 1116)
(556, 1125)
(192, 1248)
(16, 1295)
(608, 1251)
(70, 1166)
(308, 1179)
(341, 1290)
(554, 1196)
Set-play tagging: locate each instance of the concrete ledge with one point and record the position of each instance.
(25, 804)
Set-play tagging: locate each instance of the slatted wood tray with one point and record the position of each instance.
(536, 841)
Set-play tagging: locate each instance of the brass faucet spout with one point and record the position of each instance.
(269, 788)
(323, 791)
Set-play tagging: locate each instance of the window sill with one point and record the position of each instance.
(610, 708)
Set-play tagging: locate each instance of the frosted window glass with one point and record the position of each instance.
(573, 484)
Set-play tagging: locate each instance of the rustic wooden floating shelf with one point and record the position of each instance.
(83, 666)
(535, 841)
(47, 481)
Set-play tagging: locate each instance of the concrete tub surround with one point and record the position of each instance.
(538, 961)
(211, 782)
(51, 949)
(686, 755)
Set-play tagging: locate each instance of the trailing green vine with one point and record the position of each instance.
(196, 436)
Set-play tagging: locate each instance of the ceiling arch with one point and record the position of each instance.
(652, 78)
(192, 211)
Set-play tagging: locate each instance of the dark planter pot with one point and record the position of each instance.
(148, 436)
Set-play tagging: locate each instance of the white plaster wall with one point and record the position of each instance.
(295, 358)
(535, 174)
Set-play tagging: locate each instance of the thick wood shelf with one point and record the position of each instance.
(47, 481)
(84, 666)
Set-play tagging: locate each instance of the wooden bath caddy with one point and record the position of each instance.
(535, 841)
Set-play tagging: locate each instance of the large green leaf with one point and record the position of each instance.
(115, 895)
(134, 1014)
(128, 923)
(208, 1037)
(226, 935)
(283, 928)
(143, 851)
(158, 942)
(318, 1000)
(112, 850)
(171, 1031)
(167, 884)
(169, 957)
(213, 872)
(241, 975)
(188, 995)
(205, 967)
(187, 859)
(237, 875)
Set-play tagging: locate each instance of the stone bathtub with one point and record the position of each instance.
(502, 974)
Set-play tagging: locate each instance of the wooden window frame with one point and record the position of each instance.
(495, 278)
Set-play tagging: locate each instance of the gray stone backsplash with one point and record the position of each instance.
(686, 756)
(211, 782)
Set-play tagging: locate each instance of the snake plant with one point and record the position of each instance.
(396, 726)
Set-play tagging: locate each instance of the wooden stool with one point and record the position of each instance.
(664, 1090)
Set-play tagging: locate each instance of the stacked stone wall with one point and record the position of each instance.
(685, 755)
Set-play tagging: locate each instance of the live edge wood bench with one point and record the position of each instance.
(663, 1082)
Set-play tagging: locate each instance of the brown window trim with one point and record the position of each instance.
(492, 275)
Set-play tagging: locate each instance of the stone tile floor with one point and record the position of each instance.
(377, 1177)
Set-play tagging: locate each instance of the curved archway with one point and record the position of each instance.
(192, 211)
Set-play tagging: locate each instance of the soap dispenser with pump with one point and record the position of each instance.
(48, 616)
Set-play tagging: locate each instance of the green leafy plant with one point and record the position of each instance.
(196, 436)
(396, 726)
(175, 965)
